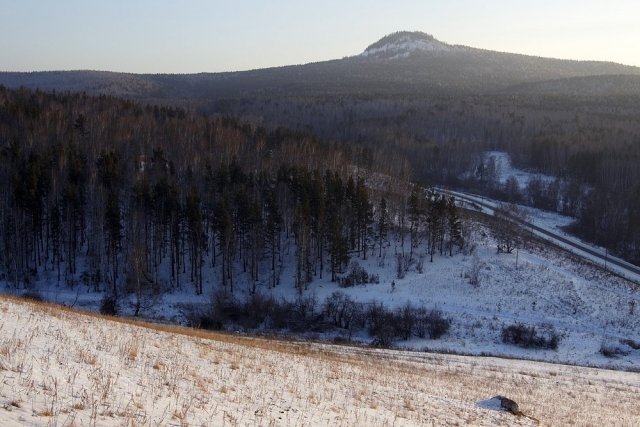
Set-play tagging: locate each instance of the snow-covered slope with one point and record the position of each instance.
(504, 169)
(537, 285)
(65, 368)
(403, 44)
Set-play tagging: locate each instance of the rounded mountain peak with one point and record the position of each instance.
(403, 43)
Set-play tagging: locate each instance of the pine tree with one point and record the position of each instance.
(416, 213)
(454, 225)
(273, 226)
(193, 213)
(224, 229)
(383, 223)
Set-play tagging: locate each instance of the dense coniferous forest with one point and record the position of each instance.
(417, 108)
(125, 198)
(591, 144)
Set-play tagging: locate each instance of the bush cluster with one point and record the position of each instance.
(358, 276)
(33, 296)
(385, 326)
(109, 305)
(528, 337)
(339, 311)
(612, 351)
(258, 311)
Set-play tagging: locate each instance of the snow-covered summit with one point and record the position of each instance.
(404, 43)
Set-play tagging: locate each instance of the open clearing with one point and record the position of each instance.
(60, 367)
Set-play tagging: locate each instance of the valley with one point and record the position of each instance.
(413, 234)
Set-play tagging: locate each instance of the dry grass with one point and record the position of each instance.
(107, 371)
(88, 357)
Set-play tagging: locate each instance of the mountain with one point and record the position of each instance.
(400, 63)
(403, 44)
(597, 86)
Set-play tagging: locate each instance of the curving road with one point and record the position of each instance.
(623, 268)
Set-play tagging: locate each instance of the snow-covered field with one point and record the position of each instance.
(59, 367)
(588, 308)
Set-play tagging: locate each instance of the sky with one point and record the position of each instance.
(188, 36)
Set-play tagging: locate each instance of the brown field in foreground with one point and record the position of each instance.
(61, 367)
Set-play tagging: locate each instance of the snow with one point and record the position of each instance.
(555, 223)
(60, 367)
(549, 288)
(585, 305)
(504, 170)
(493, 404)
(405, 45)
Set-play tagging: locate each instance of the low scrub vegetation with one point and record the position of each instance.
(530, 337)
(338, 314)
(358, 276)
(613, 350)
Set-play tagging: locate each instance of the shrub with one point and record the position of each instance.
(357, 276)
(380, 323)
(528, 337)
(474, 271)
(342, 311)
(32, 296)
(404, 321)
(109, 305)
(303, 316)
(280, 315)
(256, 310)
(436, 324)
(612, 351)
(200, 320)
(631, 343)
(420, 326)
(384, 325)
(432, 323)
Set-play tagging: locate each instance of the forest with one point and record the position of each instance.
(131, 199)
(591, 144)
(427, 117)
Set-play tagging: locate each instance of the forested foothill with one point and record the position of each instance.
(591, 144)
(105, 195)
(308, 198)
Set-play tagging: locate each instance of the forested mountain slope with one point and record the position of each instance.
(399, 63)
(433, 108)
(131, 190)
(164, 213)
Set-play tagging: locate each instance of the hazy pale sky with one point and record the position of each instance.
(185, 36)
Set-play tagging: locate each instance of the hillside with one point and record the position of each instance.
(167, 215)
(400, 63)
(103, 372)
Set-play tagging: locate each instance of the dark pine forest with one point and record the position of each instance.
(123, 197)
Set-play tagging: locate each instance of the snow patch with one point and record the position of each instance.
(493, 404)
(504, 169)
(404, 46)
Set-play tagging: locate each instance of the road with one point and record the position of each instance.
(616, 265)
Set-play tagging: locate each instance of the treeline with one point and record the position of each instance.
(592, 144)
(126, 198)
